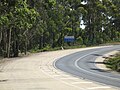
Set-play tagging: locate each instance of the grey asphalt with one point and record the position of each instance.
(82, 65)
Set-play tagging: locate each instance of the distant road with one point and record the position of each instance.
(82, 64)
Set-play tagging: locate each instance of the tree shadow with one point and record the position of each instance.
(102, 56)
(100, 70)
(96, 55)
(95, 62)
(105, 57)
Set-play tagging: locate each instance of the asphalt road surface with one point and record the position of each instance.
(82, 64)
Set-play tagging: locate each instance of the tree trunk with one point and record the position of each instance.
(0, 36)
(53, 41)
(5, 44)
(41, 42)
(26, 43)
(15, 49)
(9, 43)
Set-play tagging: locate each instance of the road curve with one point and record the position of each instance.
(82, 64)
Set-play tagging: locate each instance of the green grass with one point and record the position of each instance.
(54, 49)
(113, 62)
(111, 43)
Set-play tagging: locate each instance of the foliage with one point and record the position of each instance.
(114, 62)
(42, 24)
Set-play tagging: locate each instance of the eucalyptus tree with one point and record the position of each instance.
(70, 17)
(37, 24)
(111, 21)
(93, 19)
(115, 19)
(19, 19)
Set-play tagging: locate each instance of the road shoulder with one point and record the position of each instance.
(36, 72)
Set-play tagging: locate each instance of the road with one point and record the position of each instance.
(36, 72)
(82, 64)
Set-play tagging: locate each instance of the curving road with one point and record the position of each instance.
(82, 64)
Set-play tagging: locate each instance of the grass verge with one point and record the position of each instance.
(113, 62)
(54, 49)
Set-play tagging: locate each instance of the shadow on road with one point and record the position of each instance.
(100, 70)
(96, 55)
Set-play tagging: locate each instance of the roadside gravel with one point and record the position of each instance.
(36, 72)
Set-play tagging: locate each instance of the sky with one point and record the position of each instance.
(82, 24)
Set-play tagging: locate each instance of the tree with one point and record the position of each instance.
(19, 19)
(41, 24)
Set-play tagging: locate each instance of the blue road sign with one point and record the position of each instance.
(69, 38)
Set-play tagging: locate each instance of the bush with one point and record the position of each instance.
(113, 63)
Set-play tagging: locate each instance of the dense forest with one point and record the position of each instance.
(37, 24)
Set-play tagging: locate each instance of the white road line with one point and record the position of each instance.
(76, 64)
(56, 75)
(64, 81)
(102, 87)
(69, 78)
(66, 75)
(62, 73)
(81, 82)
(47, 70)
